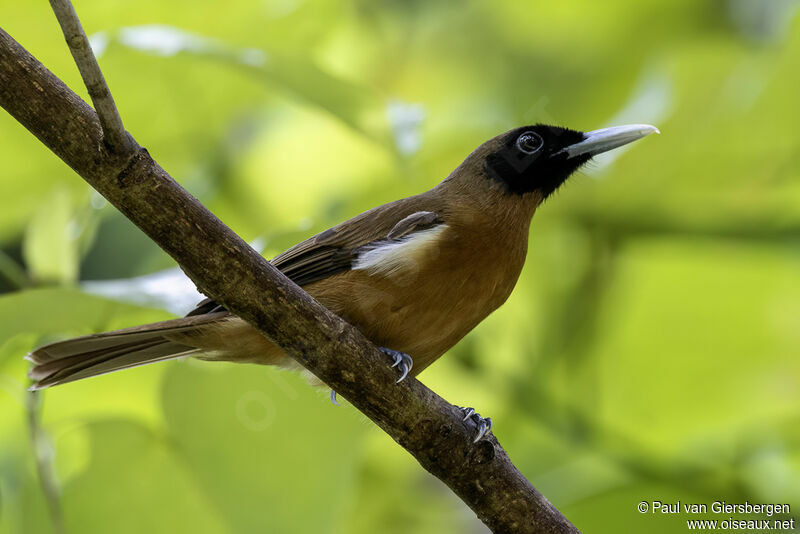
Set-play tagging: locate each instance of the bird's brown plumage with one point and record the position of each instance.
(422, 310)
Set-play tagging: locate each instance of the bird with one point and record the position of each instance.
(414, 275)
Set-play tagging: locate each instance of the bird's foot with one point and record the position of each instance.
(401, 360)
(484, 423)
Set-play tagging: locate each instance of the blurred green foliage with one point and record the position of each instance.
(650, 350)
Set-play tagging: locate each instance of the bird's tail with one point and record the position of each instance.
(97, 354)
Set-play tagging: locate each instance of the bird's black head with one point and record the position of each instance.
(541, 158)
(531, 158)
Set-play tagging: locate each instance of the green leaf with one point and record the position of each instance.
(65, 311)
(50, 247)
(271, 453)
(135, 483)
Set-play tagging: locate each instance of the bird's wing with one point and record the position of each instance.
(335, 250)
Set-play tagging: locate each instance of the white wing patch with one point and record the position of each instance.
(399, 256)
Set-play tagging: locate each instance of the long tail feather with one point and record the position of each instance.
(83, 357)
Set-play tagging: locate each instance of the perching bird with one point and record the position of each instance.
(415, 275)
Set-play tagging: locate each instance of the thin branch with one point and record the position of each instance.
(43, 456)
(116, 137)
(225, 267)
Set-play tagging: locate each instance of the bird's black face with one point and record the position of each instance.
(541, 158)
(532, 158)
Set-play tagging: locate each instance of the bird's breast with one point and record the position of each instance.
(423, 296)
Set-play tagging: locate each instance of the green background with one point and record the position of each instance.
(649, 351)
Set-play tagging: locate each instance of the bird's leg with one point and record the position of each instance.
(401, 360)
(484, 423)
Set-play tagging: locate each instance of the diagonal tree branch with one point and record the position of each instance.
(225, 267)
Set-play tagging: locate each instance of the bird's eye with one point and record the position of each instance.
(529, 142)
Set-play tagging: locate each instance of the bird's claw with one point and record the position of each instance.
(484, 423)
(401, 360)
(333, 398)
